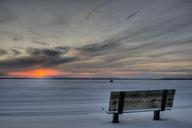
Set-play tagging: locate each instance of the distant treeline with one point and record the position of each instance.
(176, 78)
(85, 78)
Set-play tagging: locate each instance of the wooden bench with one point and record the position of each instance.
(140, 101)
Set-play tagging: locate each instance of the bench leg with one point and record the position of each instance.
(115, 118)
(156, 115)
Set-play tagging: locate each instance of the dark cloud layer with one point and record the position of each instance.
(38, 58)
(44, 52)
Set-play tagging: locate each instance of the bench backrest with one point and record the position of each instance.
(141, 100)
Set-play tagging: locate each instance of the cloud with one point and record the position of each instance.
(34, 62)
(116, 52)
(3, 52)
(37, 58)
(131, 15)
(47, 52)
(9, 52)
(139, 10)
(40, 42)
(99, 48)
(97, 7)
(16, 37)
(15, 52)
(62, 48)
(21, 63)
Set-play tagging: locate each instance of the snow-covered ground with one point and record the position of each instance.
(76, 104)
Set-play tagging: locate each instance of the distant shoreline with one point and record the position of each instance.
(103, 78)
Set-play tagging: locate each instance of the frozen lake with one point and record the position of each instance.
(41, 103)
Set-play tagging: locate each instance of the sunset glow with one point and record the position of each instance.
(36, 73)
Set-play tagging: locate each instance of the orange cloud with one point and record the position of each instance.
(36, 73)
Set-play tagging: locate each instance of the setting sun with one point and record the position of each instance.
(36, 73)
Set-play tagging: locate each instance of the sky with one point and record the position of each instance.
(96, 38)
